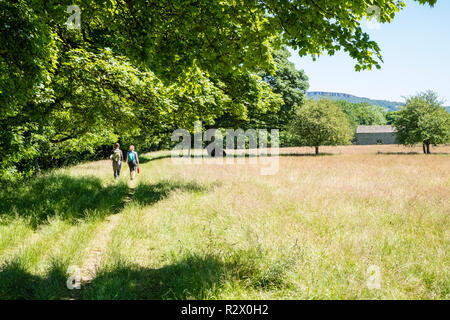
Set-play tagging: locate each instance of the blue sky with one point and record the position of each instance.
(416, 53)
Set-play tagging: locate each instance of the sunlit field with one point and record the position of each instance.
(314, 230)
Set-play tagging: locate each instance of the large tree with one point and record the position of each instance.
(319, 123)
(291, 84)
(423, 120)
(147, 66)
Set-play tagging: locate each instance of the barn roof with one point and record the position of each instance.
(375, 129)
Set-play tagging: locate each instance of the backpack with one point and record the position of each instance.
(116, 156)
(131, 156)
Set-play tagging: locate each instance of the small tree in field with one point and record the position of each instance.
(320, 123)
(423, 120)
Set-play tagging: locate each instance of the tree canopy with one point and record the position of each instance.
(141, 67)
(363, 114)
(288, 84)
(319, 123)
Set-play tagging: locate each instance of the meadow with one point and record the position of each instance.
(314, 230)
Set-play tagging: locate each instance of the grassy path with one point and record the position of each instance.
(96, 250)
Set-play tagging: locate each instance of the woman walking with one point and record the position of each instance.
(133, 162)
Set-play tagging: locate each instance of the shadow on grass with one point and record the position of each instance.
(321, 154)
(69, 198)
(17, 283)
(148, 194)
(189, 278)
(411, 153)
(192, 277)
(252, 155)
(145, 159)
(73, 198)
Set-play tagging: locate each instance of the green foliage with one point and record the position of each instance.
(362, 114)
(320, 123)
(284, 92)
(142, 68)
(390, 117)
(288, 82)
(27, 56)
(423, 120)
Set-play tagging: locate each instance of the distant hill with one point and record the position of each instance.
(389, 105)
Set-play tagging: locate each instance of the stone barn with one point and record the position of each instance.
(366, 135)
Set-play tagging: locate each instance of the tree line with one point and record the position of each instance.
(422, 120)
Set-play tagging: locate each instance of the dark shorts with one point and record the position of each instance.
(132, 165)
(117, 165)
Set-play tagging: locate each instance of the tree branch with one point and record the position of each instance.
(62, 139)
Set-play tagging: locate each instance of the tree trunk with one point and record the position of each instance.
(424, 148)
(37, 168)
(317, 150)
(428, 148)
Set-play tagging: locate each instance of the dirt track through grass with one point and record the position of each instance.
(96, 250)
